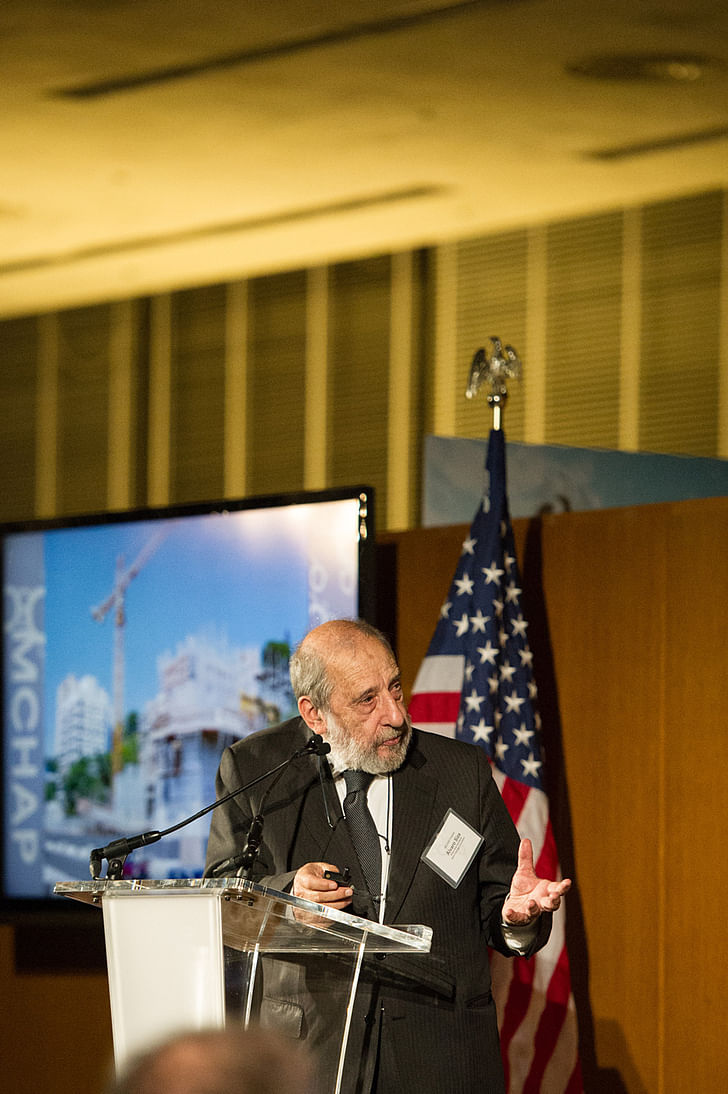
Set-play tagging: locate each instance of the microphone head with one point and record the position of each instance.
(318, 745)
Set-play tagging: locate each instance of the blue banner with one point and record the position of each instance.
(556, 479)
(24, 661)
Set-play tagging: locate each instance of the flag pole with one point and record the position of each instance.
(501, 363)
(477, 684)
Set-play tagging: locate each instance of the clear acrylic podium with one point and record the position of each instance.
(203, 953)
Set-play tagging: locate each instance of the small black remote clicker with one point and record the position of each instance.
(343, 878)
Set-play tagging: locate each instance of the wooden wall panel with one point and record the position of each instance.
(602, 583)
(55, 1033)
(627, 608)
(696, 701)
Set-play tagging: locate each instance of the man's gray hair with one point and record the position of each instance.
(308, 667)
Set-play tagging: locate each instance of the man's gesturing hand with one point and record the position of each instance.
(531, 895)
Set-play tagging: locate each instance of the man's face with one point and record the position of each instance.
(367, 726)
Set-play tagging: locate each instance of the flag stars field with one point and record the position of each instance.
(474, 701)
(513, 702)
(531, 766)
(462, 625)
(488, 653)
(492, 574)
(512, 593)
(526, 657)
(478, 622)
(507, 671)
(523, 735)
(464, 585)
(519, 626)
(481, 731)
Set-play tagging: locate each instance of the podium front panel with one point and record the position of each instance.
(165, 966)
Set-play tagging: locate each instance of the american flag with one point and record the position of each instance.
(476, 683)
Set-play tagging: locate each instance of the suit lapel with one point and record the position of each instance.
(319, 841)
(413, 802)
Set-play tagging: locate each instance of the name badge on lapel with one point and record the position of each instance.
(452, 848)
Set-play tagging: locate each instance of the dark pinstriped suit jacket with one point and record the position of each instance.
(422, 1023)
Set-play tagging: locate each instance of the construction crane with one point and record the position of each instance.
(116, 600)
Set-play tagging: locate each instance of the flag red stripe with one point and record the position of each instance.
(549, 1027)
(576, 1083)
(434, 706)
(516, 1007)
(515, 796)
(547, 864)
(550, 1024)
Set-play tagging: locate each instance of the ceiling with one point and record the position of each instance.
(153, 144)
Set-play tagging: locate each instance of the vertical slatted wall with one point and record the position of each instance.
(317, 378)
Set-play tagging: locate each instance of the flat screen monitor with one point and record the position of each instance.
(136, 647)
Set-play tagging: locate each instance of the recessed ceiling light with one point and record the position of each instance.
(657, 67)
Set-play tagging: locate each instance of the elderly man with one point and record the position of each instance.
(424, 1023)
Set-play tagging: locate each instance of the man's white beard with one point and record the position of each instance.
(348, 754)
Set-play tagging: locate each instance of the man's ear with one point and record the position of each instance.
(311, 715)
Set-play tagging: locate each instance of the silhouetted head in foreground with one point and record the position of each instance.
(252, 1061)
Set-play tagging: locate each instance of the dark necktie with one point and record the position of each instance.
(362, 829)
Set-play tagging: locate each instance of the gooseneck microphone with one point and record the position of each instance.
(116, 852)
(242, 863)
